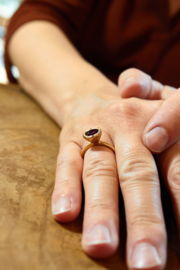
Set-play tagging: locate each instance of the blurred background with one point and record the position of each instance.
(7, 8)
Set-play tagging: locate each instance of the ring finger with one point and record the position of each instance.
(101, 218)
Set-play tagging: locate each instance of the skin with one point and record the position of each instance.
(167, 116)
(78, 97)
(135, 83)
(134, 169)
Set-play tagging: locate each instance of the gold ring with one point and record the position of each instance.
(93, 135)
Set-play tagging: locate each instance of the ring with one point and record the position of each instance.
(93, 135)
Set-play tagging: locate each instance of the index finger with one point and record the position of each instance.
(135, 83)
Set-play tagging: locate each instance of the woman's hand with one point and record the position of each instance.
(133, 167)
(122, 121)
(163, 129)
(166, 121)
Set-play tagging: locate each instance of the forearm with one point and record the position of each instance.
(51, 69)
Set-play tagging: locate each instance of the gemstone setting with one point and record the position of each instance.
(92, 135)
(91, 132)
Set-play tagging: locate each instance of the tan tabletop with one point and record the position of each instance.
(30, 239)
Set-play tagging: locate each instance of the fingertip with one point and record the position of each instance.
(67, 194)
(134, 88)
(157, 139)
(134, 83)
(147, 251)
(66, 209)
(65, 217)
(145, 256)
(99, 251)
(99, 242)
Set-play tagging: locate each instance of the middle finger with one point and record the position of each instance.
(146, 242)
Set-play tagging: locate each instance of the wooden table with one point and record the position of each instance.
(30, 239)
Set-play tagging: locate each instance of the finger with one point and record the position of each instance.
(146, 242)
(67, 194)
(163, 128)
(166, 92)
(169, 166)
(135, 83)
(101, 217)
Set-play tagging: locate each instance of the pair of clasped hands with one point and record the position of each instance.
(139, 117)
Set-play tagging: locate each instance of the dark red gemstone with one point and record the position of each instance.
(92, 132)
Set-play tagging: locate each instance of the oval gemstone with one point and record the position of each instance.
(92, 132)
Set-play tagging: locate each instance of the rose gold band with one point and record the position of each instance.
(97, 144)
(93, 135)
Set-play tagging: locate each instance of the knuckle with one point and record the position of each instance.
(65, 159)
(144, 220)
(98, 167)
(126, 109)
(64, 168)
(135, 169)
(114, 110)
(130, 109)
(63, 163)
(99, 204)
(64, 181)
(61, 184)
(174, 175)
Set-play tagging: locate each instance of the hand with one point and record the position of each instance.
(122, 122)
(135, 83)
(163, 129)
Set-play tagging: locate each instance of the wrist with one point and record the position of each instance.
(59, 80)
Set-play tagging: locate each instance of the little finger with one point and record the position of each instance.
(67, 194)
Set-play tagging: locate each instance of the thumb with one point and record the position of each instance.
(163, 129)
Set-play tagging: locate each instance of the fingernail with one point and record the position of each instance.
(157, 139)
(62, 205)
(99, 234)
(145, 256)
